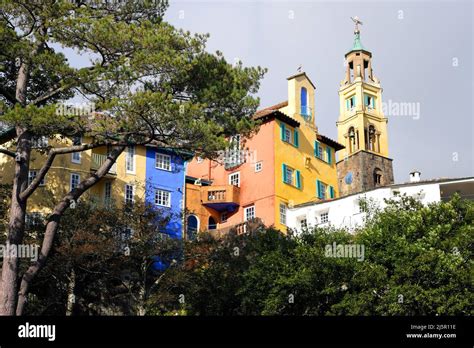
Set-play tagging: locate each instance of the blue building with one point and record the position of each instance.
(165, 185)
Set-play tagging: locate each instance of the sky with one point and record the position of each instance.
(422, 52)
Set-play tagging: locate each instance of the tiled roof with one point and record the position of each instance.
(328, 141)
(274, 112)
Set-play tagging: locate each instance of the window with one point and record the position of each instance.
(369, 101)
(130, 159)
(75, 180)
(249, 213)
(76, 156)
(163, 162)
(107, 193)
(305, 108)
(318, 150)
(233, 155)
(234, 179)
(287, 136)
(224, 217)
(324, 217)
(41, 141)
(258, 167)
(163, 198)
(377, 176)
(321, 189)
(303, 223)
(32, 175)
(199, 160)
(351, 103)
(283, 208)
(289, 175)
(129, 194)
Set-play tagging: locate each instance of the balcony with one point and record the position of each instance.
(220, 198)
(98, 159)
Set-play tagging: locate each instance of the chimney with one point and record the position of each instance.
(415, 176)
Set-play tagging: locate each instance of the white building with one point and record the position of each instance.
(345, 212)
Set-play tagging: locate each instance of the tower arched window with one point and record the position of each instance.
(352, 139)
(372, 138)
(305, 109)
(377, 177)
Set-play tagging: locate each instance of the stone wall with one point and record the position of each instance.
(362, 166)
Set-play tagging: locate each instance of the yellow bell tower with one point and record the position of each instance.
(362, 126)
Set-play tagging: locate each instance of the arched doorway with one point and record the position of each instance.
(192, 227)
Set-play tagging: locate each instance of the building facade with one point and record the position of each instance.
(348, 213)
(141, 173)
(362, 126)
(286, 162)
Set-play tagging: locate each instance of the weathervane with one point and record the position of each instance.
(357, 21)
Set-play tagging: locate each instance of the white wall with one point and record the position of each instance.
(344, 212)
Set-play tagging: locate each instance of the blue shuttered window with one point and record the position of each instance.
(318, 189)
(316, 149)
(295, 137)
(284, 173)
(331, 192)
(298, 179)
(282, 131)
(329, 155)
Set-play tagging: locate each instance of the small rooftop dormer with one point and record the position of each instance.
(301, 98)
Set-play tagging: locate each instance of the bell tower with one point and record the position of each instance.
(362, 127)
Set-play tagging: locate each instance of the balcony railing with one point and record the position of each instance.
(98, 159)
(306, 112)
(220, 194)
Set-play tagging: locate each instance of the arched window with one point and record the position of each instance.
(371, 136)
(192, 226)
(352, 139)
(377, 177)
(212, 225)
(305, 111)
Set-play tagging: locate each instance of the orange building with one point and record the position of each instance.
(286, 162)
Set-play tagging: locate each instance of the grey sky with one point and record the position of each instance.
(413, 57)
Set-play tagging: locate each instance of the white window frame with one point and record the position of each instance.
(287, 136)
(71, 180)
(107, 192)
(283, 213)
(126, 200)
(76, 156)
(290, 173)
(251, 209)
(231, 176)
(130, 160)
(164, 197)
(32, 177)
(258, 166)
(164, 163)
(303, 222)
(324, 217)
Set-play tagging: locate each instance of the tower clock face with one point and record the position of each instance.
(348, 178)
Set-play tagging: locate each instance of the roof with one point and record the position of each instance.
(328, 141)
(392, 186)
(301, 74)
(357, 45)
(273, 111)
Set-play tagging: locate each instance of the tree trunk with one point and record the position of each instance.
(53, 225)
(71, 297)
(16, 226)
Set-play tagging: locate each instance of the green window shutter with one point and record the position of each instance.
(366, 100)
(328, 152)
(348, 106)
(373, 103)
(298, 179)
(316, 149)
(283, 167)
(353, 100)
(318, 188)
(295, 137)
(331, 192)
(282, 131)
